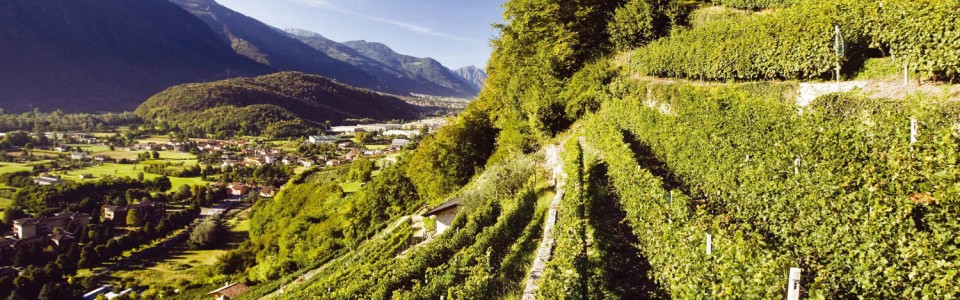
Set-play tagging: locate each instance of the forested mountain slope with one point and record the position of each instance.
(264, 44)
(88, 56)
(280, 105)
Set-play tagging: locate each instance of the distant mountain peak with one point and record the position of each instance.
(473, 74)
(303, 33)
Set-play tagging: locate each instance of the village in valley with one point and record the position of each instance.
(107, 199)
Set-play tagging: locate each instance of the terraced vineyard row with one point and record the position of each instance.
(837, 190)
(486, 251)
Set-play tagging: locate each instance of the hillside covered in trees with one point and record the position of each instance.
(680, 164)
(277, 105)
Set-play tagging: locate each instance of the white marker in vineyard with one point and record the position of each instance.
(793, 284)
(914, 130)
(709, 244)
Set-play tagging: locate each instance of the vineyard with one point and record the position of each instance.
(691, 169)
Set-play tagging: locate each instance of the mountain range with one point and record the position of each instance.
(111, 55)
(397, 72)
(105, 55)
(474, 75)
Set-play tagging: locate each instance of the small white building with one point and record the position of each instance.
(444, 214)
(322, 139)
(46, 180)
(78, 155)
(399, 143)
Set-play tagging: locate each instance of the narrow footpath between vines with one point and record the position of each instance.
(554, 163)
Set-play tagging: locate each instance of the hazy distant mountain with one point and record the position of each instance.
(473, 75)
(281, 104)
(105, 55)
(395, 75)
(258, 41)
(424, 69)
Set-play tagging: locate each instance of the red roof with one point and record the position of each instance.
(230, 291)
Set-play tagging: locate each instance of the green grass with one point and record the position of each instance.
(174, 155)
(128, 170)
(159, 139)
(351, 187)
(877, 68)
(377, 147)
(4, 204)
(6, 167)
(95, 149)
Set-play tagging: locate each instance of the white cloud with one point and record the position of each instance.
(326, 4)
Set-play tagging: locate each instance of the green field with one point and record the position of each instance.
(181, 264)
(159, 139)
(128, 170)
(174, 155)
(5, 203)
(351, 187)
(376, 147)
(95, 149)
(6, 167)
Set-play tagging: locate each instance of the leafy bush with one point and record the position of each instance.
(208, 233)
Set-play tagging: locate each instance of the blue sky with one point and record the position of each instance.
(455, 32)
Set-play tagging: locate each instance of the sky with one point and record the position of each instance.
(455, 32)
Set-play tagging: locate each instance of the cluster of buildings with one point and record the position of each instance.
(149, 210)
(43, 231)
(409, 130)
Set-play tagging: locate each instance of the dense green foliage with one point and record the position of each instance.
(311, 219)
(58, 121)
(839, 181)
(286, 104)
(638, 22)
(208, 233)
(448, 159)
(754, 4)
(796, 42)
(924, 34)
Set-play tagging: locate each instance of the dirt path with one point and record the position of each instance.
(544, 252)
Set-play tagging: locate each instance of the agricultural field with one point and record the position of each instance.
(184, 268)
(4, 204)
(6, 167)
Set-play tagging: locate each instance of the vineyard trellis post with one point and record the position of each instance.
(793, 284)
(839, 48)
(709, 244)
(914, 130)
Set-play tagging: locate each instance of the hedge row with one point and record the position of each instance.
(923, 33)
(672, 229)
(754, 4)
(796, 42)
